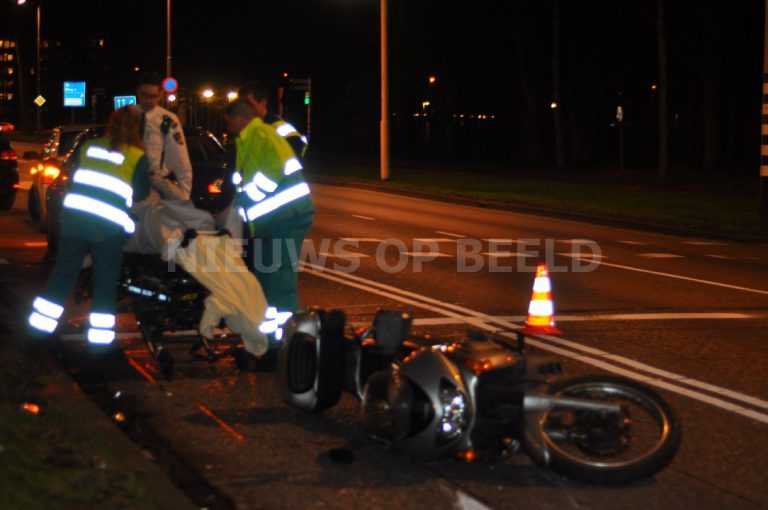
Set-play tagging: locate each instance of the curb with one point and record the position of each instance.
(552, 213)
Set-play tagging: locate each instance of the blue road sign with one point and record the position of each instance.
(170, 85)
(74, 94)
(121, 101)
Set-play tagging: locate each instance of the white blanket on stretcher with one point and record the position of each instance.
(215, 261)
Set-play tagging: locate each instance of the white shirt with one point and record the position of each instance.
(176, 156)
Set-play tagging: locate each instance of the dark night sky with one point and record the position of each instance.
(489, 57)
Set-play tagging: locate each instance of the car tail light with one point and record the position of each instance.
(16, 186)
(214, 188)
(8, 155)
(50, 173)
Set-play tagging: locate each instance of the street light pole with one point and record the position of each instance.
(385, 95)
(168, 40)
(38, 112)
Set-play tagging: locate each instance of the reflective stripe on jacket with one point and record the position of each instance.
(269, 173)
(296, 140)
(101, 184)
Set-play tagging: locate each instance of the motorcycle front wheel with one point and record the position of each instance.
(610, 448)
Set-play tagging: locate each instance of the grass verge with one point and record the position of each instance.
(60, 457)
(708, 205)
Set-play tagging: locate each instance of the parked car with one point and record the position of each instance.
(9, 174)
(209, 171)
(45, 170)
(7, 126)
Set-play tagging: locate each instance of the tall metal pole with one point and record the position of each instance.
(309, 108)
(38, 112)
(168, 40)
(764, 132)
(385, 96)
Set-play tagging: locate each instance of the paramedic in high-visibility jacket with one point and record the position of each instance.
(274, 201)
(111, 172)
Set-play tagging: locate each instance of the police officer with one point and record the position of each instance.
(169, 165)
(112, 171)
(256, 94)
(274, 201)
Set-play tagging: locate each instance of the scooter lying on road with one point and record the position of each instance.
(480, 398)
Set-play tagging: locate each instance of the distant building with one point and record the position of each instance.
(9, 72)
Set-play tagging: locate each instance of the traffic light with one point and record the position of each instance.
(306, 98)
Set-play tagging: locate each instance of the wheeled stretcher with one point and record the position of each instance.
(192, 283)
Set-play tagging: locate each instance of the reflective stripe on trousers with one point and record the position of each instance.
(45, 316)
(273, 322)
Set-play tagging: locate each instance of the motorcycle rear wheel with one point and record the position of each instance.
(610, 449)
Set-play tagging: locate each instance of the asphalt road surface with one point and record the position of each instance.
(687, 316)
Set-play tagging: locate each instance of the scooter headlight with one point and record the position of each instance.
(454, 412)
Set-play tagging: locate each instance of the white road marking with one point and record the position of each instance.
(439, 321)
(37, 244)
(466, 502)
(434, 240)
(718, 256)
(588, 355)
(345, 255)
(575, 241)
(4, 261)
(361, 239)
(502, 241)
(704, 243)
(634, 243)
(660, 255)
(424, 254)
(449, 234)
(505, 254)
(364, 217)
(582, 254)
(678, 277)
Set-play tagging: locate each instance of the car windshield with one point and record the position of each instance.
(203, 149)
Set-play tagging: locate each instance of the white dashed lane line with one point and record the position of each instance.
(449, 234)
(364, 217)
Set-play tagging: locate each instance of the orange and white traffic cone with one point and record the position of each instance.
(541, 311)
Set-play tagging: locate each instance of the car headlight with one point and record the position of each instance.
(455, 416)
